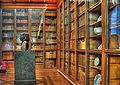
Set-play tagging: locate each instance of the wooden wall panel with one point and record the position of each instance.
(52, 1)
(39, 1)
(6, 1)
(22, 1)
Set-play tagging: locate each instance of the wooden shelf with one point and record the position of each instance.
(72, 10)
(71, 1)
(6, 17)
(7, 37)
(83, 13)
(66, 49)
(96, 36)
(38, 56)
(96, 23)
(51, 58)
(72, 63)
(50, 24)
(81, 50)
(52, 44)
(111, 6)
(51, 50)
(21, 30)
(21, 24)
(82, 26)
(95, 7)
(95, 51)
(81, 3)
(113, 51)
(36, 50)
(8, 24)
(82, 66)
(50, 31)
(8, 60)
(8, 50)
(81, 37)
(36, 42)
(72, 50)
(7, 30)
(72, 21)
(94, 67)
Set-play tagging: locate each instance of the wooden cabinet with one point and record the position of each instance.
(94, 55)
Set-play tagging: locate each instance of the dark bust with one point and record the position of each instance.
(24, 37)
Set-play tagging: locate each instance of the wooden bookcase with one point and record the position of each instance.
(8, 37)
(50, 38)
(36, 33)
(39, 24)
(93, 56)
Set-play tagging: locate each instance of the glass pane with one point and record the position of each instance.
(21, 25)
(95, 69)
(81, 68)
(72, 64)
(66, 62)
(81, 24)
(94, 23)
(8, 29)
(114, 24)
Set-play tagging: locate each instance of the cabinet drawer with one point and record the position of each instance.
(50, 54)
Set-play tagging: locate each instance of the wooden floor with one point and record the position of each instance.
(43, 77)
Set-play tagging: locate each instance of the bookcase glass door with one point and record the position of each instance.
(113, 24)
(21, 25)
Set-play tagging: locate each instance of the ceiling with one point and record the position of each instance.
(30, 1)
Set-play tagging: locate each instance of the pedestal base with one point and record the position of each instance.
(25, 68)
(24, 82)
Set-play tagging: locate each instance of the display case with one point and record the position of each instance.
(66, 36)
(72, 38)
(50, 38)
(95, 26)
(95, 58)
(37, 20)
(81, 68)
(113, 24)
(21, 25)
(7, 30)
(81, 6)
(112, 38)
(81, 42)
(95, 69)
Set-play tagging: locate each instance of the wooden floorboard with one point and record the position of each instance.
(43, 77)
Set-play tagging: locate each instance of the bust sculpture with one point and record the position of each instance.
(24, 37)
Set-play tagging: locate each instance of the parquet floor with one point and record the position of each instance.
(43, 77)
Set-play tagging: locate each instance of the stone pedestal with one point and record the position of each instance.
(24, 68)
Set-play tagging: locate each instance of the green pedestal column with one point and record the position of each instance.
(24, 68)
